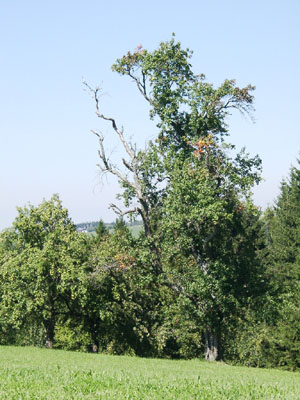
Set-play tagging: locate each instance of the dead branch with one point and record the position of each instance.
(121, 213)
(141, 85)
(132, 165)
(95, 94)
(107, 166)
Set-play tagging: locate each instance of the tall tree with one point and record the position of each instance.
(208, 218)
(283, 224)
(186, 107)
(283, 266)
(185, 183)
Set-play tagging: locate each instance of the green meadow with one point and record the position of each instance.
(33, 373)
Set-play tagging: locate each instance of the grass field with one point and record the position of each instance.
(31, 373)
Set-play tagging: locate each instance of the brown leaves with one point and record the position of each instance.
(203, 145)
(124, 261)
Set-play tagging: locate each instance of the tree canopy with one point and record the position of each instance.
(189, 185)
(41, 268)
(208, 274)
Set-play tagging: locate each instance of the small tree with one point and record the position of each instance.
(42, 267)
(121, 303)
(101, 231)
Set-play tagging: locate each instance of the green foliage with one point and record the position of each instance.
(283, 224)
(101, 231)
(42, 267)
(269, 334)
(180, 333)
(198, 192)
(282, 261)
(256, 343)
(186, 105)
(206, 274)
(126, 306)
(70, 337)
(286, 334)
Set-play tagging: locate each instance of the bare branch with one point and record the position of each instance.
(96, 92)
(132, 166)
(107, 166)
(121, 213)
(141, 86)
(127, 165)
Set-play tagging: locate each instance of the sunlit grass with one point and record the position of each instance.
(31, 373)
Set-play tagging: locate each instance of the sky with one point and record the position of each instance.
(49, 47)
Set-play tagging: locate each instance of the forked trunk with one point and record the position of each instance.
(212, 345)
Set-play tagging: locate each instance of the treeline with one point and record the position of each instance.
(208, 275)
(91, 226)
(102, 293)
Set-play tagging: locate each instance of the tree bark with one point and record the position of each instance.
(49, 335)
(212, 345)
(95, 346)
(94, 335)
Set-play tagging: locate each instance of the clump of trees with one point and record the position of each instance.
(208, 275)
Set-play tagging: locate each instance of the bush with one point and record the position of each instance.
(73, 338)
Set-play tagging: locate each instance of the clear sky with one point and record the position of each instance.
(47, 47)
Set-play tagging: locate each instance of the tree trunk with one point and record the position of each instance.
(95, 346)
(49, 338)
(94, 335)
(49, 325)
(212, 345)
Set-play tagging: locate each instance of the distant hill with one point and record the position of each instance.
(90, 227)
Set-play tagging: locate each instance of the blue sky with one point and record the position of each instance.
(48, 47)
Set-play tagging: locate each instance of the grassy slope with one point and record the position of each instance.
(135, 230)
(31, 373)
